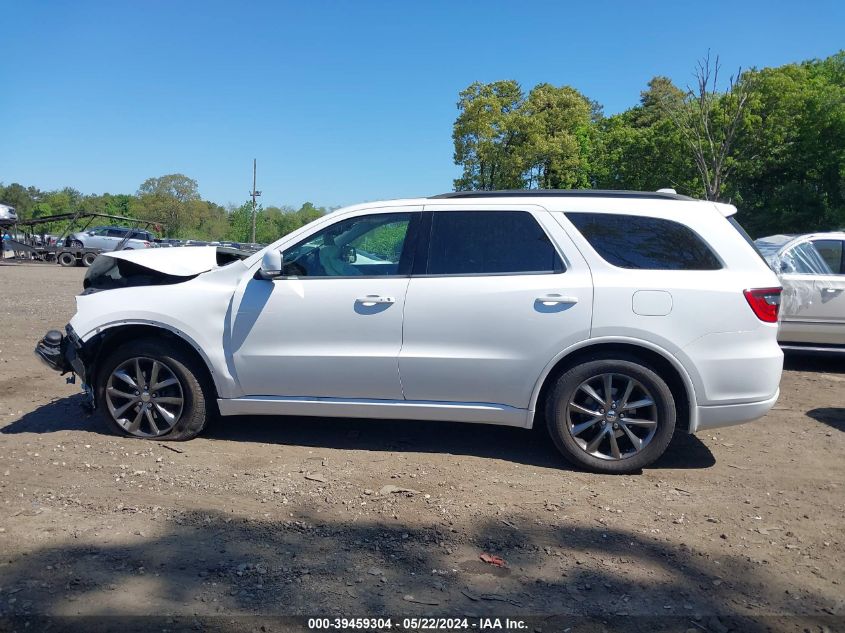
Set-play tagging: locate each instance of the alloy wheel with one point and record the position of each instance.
(612, 416)
(144, 397)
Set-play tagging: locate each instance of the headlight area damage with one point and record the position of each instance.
(63, 353)
(108, 273)
(125, 269)
(68, 354)
(155, 267)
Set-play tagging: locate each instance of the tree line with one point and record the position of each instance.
(172, 202)
(772, 141)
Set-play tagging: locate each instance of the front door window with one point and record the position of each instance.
(365, 246)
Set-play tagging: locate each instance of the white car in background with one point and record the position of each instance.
(612, 317)
(812, 271)
(8, 215)
(110, 237)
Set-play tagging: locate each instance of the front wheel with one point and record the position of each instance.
(76, 244)
(150, 391)
(611, 415)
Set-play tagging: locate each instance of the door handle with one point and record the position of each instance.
(830, 290)
(554, 299)
(372, 300)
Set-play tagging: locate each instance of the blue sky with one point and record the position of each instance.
(340, 102)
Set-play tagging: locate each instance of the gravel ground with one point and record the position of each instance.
(331, 517)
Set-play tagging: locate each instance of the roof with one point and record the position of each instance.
(782, 239)
(562, 193)
(775, 240)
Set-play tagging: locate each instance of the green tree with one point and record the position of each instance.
(557, 140)
(641, 149)
(488, 135)
(240, 222)
(710, 122)
(167, 200)
(176, 186)
(791, 177)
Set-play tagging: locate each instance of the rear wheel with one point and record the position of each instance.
(611, 415)
(150, 391)
(67, 259)
(88, 259)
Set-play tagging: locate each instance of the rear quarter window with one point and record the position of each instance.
(640, 242)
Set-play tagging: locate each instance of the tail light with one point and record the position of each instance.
(765, 302)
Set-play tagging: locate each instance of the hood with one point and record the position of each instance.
(180, 262)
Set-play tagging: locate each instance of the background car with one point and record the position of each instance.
(811, 269)
(108, 238)
(8, 215)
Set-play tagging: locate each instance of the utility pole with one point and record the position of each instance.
(253, 194)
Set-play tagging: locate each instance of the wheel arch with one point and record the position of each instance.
(666, 364)
(98, 347)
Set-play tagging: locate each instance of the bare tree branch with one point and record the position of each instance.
(709, 121)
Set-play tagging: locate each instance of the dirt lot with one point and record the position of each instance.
(295, 516)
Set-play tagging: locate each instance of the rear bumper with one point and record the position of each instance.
(716, 416)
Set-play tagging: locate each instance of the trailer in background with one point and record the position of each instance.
(62, 252)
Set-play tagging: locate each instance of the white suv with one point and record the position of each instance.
(616, 317)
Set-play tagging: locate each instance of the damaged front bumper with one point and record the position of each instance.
(63, 353)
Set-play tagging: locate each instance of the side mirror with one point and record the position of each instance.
(271, 264)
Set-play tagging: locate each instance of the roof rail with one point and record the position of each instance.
(563, 193)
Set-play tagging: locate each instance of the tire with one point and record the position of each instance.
(88, 259)
(154, 422)
(76, 244)
(605, 441)
(67, 259)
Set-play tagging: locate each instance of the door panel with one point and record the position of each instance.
(312, 337)
(813, 301)
(487, 338)
(97, 240)
(333, 327)
(813, 309)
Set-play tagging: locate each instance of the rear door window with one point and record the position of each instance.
(831, 252)
(489, 243)
(804, 259)
(640, 242)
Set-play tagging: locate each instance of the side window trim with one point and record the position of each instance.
(406, 259)
(424, 246)
(424, 239)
